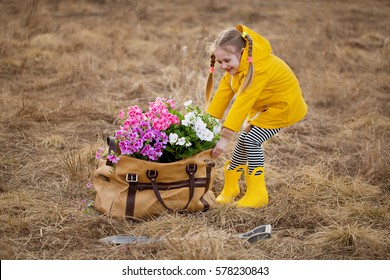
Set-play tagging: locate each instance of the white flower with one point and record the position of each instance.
(209, 136)
(199, 124)
(188, 103)
(205, 135)
(189, 119)
(181, 141)
(185, 122)
(188, 144)
(217, 128)
(173, 138)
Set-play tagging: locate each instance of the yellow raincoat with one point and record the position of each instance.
(274, 99)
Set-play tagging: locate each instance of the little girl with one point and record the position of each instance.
(267, 98)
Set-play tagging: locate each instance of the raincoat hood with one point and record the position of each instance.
(261, 48)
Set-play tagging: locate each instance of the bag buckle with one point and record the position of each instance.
(152, 174)
(131, 177)
(191, 168)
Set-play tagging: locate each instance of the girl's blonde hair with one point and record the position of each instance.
(232, 38)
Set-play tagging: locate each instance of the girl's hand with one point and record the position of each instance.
(247, 126)
(219, 147)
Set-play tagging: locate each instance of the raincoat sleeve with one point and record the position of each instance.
(245, 100)
(221, 98)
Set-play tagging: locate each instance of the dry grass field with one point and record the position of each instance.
(67, 67)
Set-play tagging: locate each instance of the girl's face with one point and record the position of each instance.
(229, 60)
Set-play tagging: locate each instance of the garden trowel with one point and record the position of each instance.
(252, 236)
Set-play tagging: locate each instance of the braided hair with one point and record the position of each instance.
(230, 38)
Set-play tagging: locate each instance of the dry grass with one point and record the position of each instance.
(66, 67)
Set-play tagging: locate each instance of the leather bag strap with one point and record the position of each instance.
(130, 201)
(152, 175)
(112, 147)
(190, 169)
(209, 167)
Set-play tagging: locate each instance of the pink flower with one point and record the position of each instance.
(121, 114)
(113, 158)
(99, 153)
(171, 103)
(89, 185)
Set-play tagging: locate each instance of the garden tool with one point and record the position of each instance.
(259, 233)
(256, 234)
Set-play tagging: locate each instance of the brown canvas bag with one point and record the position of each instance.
(140, 189)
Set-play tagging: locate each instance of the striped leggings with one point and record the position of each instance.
(248, 148)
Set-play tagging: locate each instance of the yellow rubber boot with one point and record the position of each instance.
(256, 193)
(230, 189)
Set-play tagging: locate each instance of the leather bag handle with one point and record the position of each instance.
(190, 169)
(152, 175)
(112, 147)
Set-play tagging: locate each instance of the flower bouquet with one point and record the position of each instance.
(163, 134)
